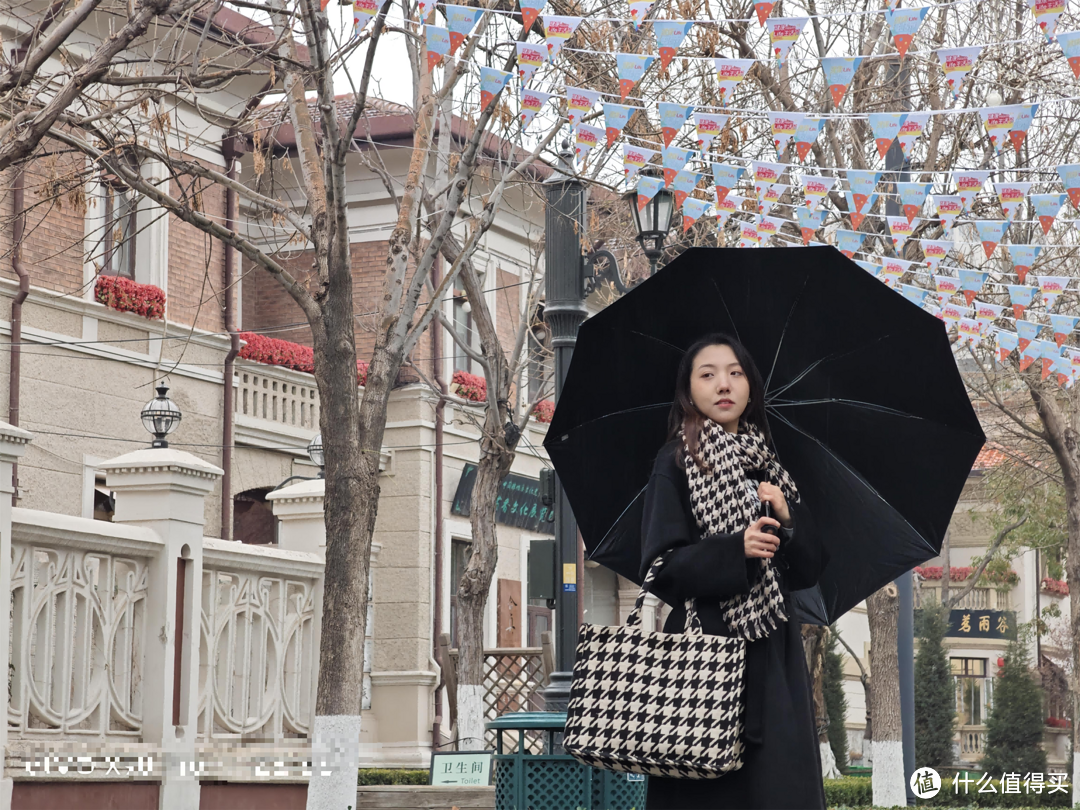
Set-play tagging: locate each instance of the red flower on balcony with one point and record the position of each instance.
(544, 410)
(276, 352)
(124, 295)
(1055, 586)
(1057, 722)
(470, 386)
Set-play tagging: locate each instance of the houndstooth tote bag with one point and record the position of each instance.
(665, 704)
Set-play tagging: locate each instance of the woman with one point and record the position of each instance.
(703, 507)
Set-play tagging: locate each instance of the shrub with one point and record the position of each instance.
(390, 776)
(1014, 729)
(276, 352)
(124, 295)
(835, 700)
(935, 696)
(849, 791)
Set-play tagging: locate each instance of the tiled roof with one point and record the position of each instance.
(989, 456)
(277, 111)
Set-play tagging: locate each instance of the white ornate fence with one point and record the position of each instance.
(78, 629)
(258, 648)
(80, 625)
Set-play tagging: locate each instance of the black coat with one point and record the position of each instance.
(781, 760)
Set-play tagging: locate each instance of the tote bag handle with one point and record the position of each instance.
(693, 623)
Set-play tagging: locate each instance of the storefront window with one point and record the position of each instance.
(974, 690)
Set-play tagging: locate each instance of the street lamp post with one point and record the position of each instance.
(569, 276)
(564, 310)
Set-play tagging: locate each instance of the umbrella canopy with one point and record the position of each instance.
(866, 406)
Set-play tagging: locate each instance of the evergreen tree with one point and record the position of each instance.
(935, 697)
(835, 701)
(1014, 730)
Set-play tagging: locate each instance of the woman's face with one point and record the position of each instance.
(719, 386)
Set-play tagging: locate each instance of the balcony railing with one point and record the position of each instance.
(977, 599)
(288, 399)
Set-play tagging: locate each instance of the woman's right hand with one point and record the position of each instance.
(758, 543)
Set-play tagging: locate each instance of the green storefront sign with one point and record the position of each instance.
(517, 504)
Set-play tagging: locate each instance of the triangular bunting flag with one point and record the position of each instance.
(805, 135)
(1046, 208)
(674, 160)
(848, 242)
(911, 130)
(709, 125)
(968, 185)
(1051, 287)
(672, 118)
(809, 222)
(1011, 196)
(934, 251)
(531, 102)
(903, 23)
(783, 31)
(530, 10)
(839, 71)
(579, 103)
(725, 177)
(557, 32)
(729, 74)
(693, 209)
(991, 232)
(886, 126)
(529, 57)
(912, 196)
(971, 283)
(669, 36)
(1020, 297)
(635, 159)
(948, 209)
(615, 118)
(492, 82)
(460, 20)
(783, 129)
(588, 137)
(438, 44)
(631, 67)
(956, 64)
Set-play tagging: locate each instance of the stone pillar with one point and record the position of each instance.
(13, 443)
(163, 489)
(299, 508)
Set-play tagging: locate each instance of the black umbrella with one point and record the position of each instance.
(865, 403)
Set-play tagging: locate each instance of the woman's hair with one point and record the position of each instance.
(685, 414)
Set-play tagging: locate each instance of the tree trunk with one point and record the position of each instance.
(889, 784)
(472, 591)
(814, 648)
(1059, 420)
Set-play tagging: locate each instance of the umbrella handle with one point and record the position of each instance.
(767, 511)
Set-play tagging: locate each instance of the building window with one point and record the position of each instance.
(974, 690)
(463, 327)
(540, 358)
(460, 551)
(120, 212)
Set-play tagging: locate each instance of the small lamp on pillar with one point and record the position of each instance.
(160, 417)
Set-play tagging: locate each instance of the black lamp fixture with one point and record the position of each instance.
(160, 416)
(653, 221)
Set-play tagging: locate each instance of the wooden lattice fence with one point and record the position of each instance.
(514, 681)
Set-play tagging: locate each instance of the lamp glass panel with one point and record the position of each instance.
(665, 206)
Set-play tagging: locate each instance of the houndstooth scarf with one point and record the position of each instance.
(725, 500)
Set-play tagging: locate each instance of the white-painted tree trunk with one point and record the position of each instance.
(335, 757)
(888, 775)
(1076, 780)
(828, 762)
(470, 717)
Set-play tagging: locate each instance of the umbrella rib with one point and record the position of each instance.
(580, 425)
(817, 363)
(860, 478)
(719, 294)
(870, 405)
(607, 534)
(783, 334)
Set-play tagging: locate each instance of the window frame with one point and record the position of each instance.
(111, 188)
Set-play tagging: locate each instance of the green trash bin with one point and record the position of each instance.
(529, 775)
